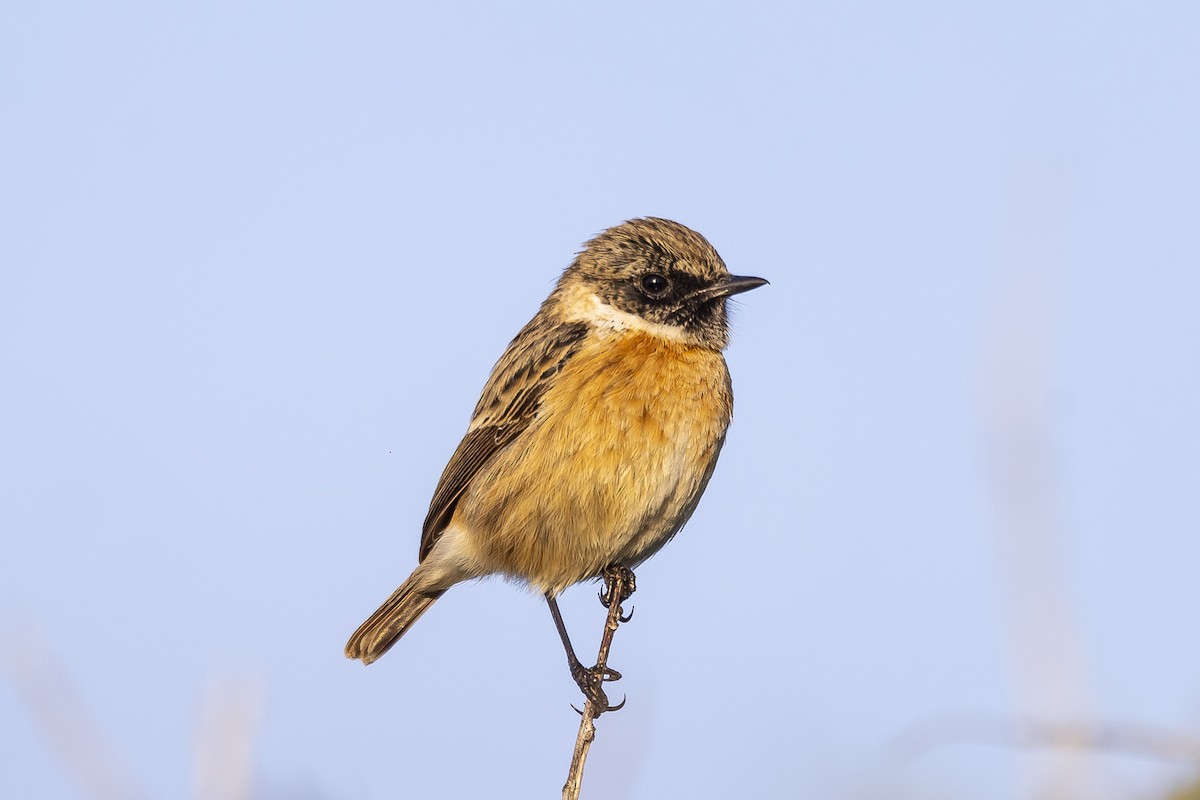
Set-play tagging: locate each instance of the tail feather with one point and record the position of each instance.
(390, 621)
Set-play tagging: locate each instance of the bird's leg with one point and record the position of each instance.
(590, 681)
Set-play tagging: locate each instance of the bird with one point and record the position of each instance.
(595, 435)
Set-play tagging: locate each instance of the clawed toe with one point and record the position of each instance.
(591, 682)
(588, 676)
(599, 701)
(617, 575)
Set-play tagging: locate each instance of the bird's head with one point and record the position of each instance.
(656, 275)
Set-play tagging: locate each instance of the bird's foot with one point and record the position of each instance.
(591, 682)
(619, 584)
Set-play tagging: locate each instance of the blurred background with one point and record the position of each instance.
(258, 259)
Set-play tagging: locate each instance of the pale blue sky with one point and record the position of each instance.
(258, 260)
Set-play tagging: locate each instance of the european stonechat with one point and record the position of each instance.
(595, 435)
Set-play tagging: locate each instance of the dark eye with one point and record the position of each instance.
(655, 285)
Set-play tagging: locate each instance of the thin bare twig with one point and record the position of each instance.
(618, 586)
(43, 682)
(224, 752)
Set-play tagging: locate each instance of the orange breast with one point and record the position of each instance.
(624, 443)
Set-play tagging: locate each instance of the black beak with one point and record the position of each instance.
(736, 284)
(733, 284)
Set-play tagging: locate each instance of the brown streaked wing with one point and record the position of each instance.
(508, 404)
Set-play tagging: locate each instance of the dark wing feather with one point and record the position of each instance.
(508, 405)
